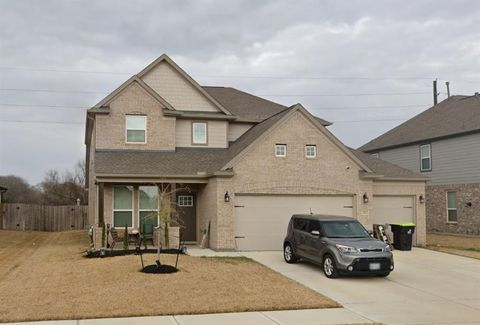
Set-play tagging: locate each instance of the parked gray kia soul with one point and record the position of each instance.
(340, 244)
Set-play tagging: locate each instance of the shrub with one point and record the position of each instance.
(125, 238)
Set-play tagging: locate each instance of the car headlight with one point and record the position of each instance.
(347, 249)
(387, 248)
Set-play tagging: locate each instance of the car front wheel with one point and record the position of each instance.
(288, 254)
(329, 267)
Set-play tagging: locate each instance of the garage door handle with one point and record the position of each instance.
(407, 207)
(239, 206)
(348, 206)
(236, 237)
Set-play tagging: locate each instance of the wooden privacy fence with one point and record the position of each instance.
(43, 217)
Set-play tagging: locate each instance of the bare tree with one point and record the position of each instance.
(19, 191)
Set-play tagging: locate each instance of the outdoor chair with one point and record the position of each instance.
(115, 238)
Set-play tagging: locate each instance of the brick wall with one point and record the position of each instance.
(468, 218)
(110, 129)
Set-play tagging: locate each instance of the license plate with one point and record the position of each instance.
(374, 266)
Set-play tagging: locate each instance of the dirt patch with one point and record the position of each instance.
(468, 246)
(45, 276)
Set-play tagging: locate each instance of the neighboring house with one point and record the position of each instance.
(249, 163)
(442, 143)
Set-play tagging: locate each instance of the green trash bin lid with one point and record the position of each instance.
(403, 224)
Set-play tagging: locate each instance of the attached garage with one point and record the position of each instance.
(261, 220)
(388, 209)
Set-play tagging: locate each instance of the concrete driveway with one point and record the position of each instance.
(426, 287)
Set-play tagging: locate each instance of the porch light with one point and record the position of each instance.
(365, 198)
(227, 197)
(421, 199)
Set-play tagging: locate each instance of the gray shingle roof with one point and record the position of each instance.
(247, 106)
(198, 161)
(453, 116)
(387, 169)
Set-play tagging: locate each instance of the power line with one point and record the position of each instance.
(65, 71)
(12, 105)
(266, 95)
(41, 106)
(81, 123)
(52, 90)
(346, 95)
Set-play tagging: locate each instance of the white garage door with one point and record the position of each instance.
(388, 209)
(261, 220)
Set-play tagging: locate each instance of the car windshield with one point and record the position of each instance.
(344, 229)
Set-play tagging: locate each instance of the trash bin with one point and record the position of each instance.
(402, 235)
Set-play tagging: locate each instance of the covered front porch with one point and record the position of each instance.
(142, 209)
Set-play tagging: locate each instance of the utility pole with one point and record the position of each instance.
(435, 93)
(448, 88)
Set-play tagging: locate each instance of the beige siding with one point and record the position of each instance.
(110, 129)
(177, 90)
(235, 130)
(216, 132)
(454, 160)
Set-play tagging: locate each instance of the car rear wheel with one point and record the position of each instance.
(383, 275)
(329, 267)
(288, 254)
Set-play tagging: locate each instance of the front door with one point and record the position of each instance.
(188, 218)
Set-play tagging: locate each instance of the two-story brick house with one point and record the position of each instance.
(249, 163)
(442, 143)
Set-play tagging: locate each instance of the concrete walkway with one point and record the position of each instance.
(287, 317)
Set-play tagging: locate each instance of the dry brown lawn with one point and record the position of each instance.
(468, 246)
(45, 276)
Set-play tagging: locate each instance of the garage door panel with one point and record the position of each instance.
(261, 221)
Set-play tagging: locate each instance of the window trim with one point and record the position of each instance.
(122, 210)
(126, 129)
(448, 209)
(375, 155)
(193, 133)
(183, 205)
(314, 146)
(429, 145)
(281, 144)
(143, 210)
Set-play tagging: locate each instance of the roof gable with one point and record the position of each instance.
(248, 140)
(104, 102)
(180, 89)
(453, 116)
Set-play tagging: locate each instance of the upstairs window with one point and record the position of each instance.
(199, 133)
(280, 150)
(310, 151)
(425, 158)
(375, 155)
(136, 128)
(451, 206)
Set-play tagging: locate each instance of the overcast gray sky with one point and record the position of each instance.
(364, 65)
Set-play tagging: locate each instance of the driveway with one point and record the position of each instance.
(426, 287)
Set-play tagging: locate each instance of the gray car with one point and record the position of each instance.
(340, 244)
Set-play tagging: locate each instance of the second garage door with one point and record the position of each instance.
(388, 209)
(261, 220)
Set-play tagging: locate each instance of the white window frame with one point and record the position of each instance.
(183, 200)
(375, 155)
(308, 146)
(429, 157)
(195, 141)
(452, 209)
(134, 129)
(148, 210)
(121, 210)
(278, 145)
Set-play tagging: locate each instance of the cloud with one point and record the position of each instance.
(319, 48)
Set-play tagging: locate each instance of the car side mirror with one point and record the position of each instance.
(315, 233)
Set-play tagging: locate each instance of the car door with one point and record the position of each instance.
(300, 228)
(316, 244)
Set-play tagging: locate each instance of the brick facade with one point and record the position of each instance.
(468, 217)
